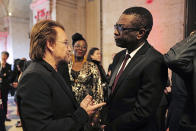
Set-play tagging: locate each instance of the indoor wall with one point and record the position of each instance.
(168, 25)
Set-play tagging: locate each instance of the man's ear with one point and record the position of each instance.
(50, 46)
(141, 33)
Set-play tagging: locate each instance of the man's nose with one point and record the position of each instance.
(116, 32)
(69, 48)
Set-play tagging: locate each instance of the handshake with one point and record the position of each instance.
(88, 106)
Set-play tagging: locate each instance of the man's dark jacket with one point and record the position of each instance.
(182, 59)
(133, 104)
(45, 101)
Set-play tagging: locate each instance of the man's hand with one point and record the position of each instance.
(167, 90)
(87, 105)
(102, 127)
(4, 74)
(15, 84)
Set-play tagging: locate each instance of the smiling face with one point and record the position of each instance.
(80, 48)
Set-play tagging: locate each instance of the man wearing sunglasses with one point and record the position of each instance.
(138, 77)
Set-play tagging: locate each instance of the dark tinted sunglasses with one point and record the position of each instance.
(119, 27)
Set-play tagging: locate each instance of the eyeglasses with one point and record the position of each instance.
(64, 42)
(80, 47)
(119, 27)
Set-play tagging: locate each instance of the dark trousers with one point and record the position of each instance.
(2, 112)
(160, 114)
(161, 111)
(2, 126)
(4, 95)
(2, 119)
(5, 106)
(175, 111)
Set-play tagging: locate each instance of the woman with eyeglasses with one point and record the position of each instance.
(85, 78)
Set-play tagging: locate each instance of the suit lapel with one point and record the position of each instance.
(61, 81)
(114, 74)
(116, 70)
(136, 58)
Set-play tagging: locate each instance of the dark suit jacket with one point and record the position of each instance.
(182, 59)
(63, 69)
(5, 80)
(45, 101)
(133, 104)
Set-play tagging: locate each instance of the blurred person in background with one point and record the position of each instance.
(5, 80)
(94, 55)
(20, 67)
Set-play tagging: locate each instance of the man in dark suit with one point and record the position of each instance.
(5, 79)
(181, 59)
(45, 101)
(135, 91)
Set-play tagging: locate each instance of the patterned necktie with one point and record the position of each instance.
(120, 72)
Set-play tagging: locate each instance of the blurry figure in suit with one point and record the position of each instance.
(5, 79)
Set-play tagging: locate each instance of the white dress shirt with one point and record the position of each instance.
(131, 56)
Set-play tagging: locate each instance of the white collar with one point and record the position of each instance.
(134, 51)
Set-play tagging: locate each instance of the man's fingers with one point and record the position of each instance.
(91, 103)
(86, 101)
(97, 106)
(88, 98)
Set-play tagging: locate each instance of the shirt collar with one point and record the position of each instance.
(134, 51)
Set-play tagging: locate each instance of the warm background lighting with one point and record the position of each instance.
(10, 14)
